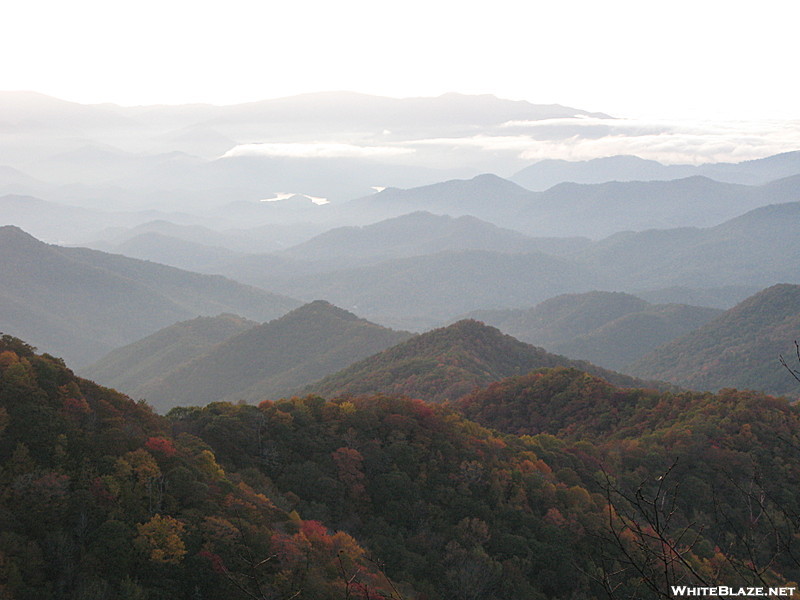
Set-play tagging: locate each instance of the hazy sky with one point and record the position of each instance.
(703, 59)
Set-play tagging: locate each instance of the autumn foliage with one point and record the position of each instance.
(542, 485)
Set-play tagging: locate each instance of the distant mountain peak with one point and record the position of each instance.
(321, 307)
(13, 230)
(492, 178)
(448, 362)
(13, 235)
(473, 326)
(273, 359)
(740, 348)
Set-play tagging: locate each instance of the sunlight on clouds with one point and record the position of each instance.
(279, 196)
(513, 143)
(315, 150)
(574, 138)
(685, 142)
(317, 200)
(669, 142)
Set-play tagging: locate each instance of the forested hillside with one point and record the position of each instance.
(101, 498)
(741, 348)
(81, 303)
(610, 492)
(270, 360)
(609, 489)
(609, 329)
(131, 367)
(445, 363)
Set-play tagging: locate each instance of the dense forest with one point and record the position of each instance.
(553, 484)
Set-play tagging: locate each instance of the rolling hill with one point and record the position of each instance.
(73, 451)
(412, 234)
(235, 500)
(81, 303)
(67, 224)
(487, 197)
(740, 348)
(132, 366)
(446, 363)
(571, 209)
(757, 249)
(547, 173)
(609, 329)
(167, 250)
(272, 360)
(617, 343)
(423, 291)
(602, 209)
(263, 238)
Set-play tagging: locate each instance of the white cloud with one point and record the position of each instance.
(316, 150)
(576, 138)
(685, 142)
(317, 200)
(669, 142)
(279, 196)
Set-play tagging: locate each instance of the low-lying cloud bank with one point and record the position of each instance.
(577, 138)
(668, 142)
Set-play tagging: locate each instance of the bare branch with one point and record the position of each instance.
(794, 372)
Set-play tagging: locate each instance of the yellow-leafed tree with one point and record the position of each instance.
(160, 538)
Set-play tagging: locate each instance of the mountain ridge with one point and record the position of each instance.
(449, 362)
(81, 303)
(272, 359)
(547, 173)
(608, 329)
(740, 348)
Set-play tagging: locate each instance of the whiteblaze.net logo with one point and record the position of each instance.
(724, 591)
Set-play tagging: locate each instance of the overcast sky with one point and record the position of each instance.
(703, 59)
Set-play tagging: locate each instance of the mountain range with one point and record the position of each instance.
(205, 160)
(208, 359)
(447, 363)
(741, 348)
(389, 495)
(609, 329)
(125, 156)
(570, 209)
(411, 257)
(246, 265)
(473, 266)
(135, 365)
(550, 172)
(271, 360)
(730, 261)
(756, 249)
(412, 234)
(81, 303)
(423, 291)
